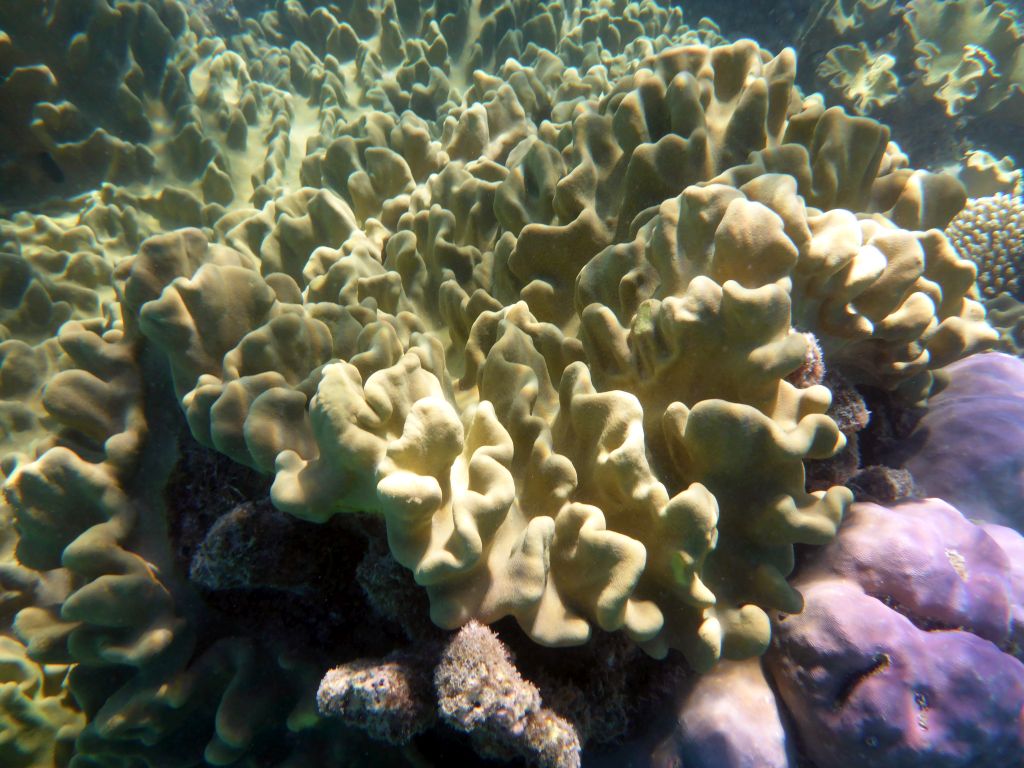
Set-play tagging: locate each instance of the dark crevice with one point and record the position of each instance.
(880, 663)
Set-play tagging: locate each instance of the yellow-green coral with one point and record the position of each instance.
(984, 175)
(964, 50)
(962, 56)
(864, 76)
(526, 284)
(572, 467)
(38, 721)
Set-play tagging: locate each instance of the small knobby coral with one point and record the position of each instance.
(392, 699)
(480, 691)
(990, 232)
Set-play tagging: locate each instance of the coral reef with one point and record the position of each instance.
(263, 390)
(990, 232)
(395, 336)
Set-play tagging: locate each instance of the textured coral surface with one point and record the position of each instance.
(908, 649)
(967, 448)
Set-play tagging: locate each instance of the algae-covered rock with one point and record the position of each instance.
(907, 651)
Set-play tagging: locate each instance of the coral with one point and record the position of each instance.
(253, 546)
(965, 51)
(727, 718)
(472, 685)
(481, 692)
(851, 416)
(590, 697)
(76, 76)
(253, 413)
(392, 592)
(985, 176)
(38, 718)
(881, 484)
(990, 232)
(112, 605)
(532, 299)
(1006, 315)
(864, 76)
(967, 447)
(596, 688)
(904, 652)
(391, 699)
(953, 59)
(219, 15)
(812, 370)
(868, 16)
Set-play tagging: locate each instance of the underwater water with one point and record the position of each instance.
(511, 382)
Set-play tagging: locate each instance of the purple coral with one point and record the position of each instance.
(904, 652)
(969, 447)
(726, 718)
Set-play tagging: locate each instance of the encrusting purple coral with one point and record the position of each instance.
(907, 650)
(969, 447)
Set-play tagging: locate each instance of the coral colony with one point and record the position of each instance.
(511, 381)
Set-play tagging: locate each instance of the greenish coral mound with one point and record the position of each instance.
(517, 295)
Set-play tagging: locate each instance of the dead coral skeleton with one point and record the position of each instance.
(476, 689)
